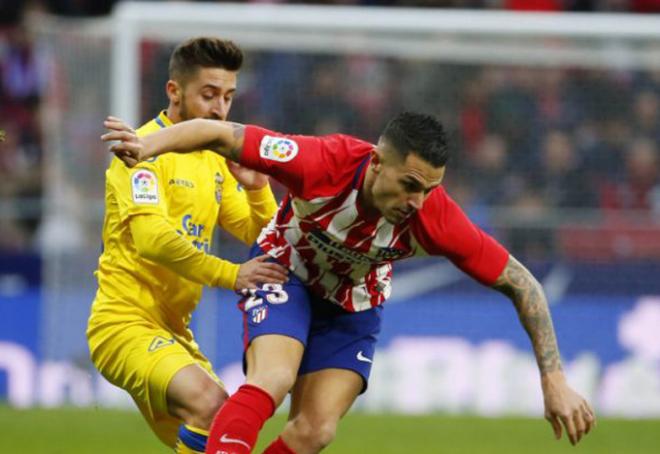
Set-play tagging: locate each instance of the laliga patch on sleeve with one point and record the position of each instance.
(145, 187)
(278, 148)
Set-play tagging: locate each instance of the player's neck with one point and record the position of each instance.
(365, 194)
(173, 114)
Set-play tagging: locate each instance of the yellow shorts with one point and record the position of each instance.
(142, 358)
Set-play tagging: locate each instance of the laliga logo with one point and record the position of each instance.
(278, 148)
(145, 187)
(283, 149)
(144, 182)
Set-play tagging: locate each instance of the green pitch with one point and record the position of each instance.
(73, 431)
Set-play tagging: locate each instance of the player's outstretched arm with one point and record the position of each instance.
(223, 137)
(157, 241)
(563, 406)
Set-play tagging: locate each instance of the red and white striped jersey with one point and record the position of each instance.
(324, 236)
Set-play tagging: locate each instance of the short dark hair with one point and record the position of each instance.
(422, 134)
(203, 52)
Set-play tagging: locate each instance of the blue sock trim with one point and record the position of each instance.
(191, 439)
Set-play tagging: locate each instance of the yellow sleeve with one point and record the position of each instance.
(244, 213)
(155, 240)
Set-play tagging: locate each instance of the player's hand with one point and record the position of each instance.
(564, 407)
(259, 271)
(248, 178)
(128, 147)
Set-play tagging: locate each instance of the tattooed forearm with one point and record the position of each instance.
(230, 142)
(237, 147)
(527, 295)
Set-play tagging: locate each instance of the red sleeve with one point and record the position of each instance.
(442, 228)
(308, 166)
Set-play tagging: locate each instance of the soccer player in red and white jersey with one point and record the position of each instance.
(352, 209)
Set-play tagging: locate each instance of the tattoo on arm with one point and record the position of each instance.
(238, 132)
(517, 283)
(232, 148)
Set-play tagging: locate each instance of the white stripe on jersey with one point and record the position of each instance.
(384, 233)
(344, 217)
(384, 277)
(360, 297)
(303, 208)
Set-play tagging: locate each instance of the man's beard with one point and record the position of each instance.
(184, 109)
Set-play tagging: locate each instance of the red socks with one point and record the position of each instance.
(237, 424)
(278, 447)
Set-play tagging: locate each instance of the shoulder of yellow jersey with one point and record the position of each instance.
(118, 169)
(160, 122)
(148, 128)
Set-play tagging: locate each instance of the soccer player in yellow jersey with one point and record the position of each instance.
(157, 234)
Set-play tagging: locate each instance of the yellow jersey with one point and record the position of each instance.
(192, 192)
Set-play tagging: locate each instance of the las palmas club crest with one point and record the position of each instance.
(219, 179)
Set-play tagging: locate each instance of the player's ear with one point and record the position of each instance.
(376, 157)
(173, 90)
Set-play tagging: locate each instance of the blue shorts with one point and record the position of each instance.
(333, 337)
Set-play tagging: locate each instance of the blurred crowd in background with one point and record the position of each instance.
(536, 151)
(528, 140)
(12, 9)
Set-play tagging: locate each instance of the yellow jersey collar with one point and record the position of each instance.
(163, 120)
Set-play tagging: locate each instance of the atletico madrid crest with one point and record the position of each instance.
(259, 314)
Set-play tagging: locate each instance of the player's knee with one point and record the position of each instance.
(325, 433)
(204, 404)
(314, 435)
(277, 382)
